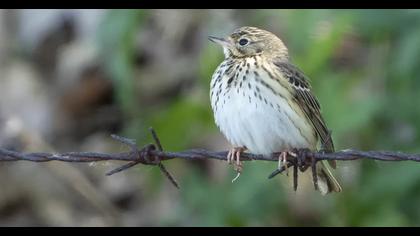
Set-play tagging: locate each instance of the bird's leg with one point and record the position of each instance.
(283, 160)
(237, 166)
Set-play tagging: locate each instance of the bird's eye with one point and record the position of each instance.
(243, 42)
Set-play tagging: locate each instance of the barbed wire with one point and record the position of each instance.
(153, 154)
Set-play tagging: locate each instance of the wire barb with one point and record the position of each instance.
(314, 174)
(135, 153)
(156, 138)
(279, 170)
(153, 154)
(160, 165)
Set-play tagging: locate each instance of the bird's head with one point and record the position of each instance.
(251, 41)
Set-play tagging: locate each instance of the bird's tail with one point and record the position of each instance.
(326, 181)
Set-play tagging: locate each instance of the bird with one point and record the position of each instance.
(264, 104)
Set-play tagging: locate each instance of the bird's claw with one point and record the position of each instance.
(235, 153)
(236, 177)
(283, 160)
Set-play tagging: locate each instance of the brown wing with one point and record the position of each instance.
(308, 102)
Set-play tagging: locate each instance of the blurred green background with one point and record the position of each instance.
(70, 78)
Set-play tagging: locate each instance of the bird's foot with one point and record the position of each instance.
(237, 164)
(283, 160)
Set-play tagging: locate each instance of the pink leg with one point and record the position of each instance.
(235, 153)
(283, 160)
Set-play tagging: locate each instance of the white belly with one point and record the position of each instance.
(263, 125)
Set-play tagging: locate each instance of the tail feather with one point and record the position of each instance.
(326, 181)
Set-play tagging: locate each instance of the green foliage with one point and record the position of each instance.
(186, 118)
(116, 39)
(203, 202)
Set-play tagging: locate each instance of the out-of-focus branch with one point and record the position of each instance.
(153, 154)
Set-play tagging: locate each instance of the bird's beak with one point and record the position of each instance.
(223, 42)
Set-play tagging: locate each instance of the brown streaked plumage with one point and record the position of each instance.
(264, 104)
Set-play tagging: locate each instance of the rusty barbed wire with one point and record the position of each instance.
(153, 154)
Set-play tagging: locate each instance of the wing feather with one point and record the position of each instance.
(308, 103)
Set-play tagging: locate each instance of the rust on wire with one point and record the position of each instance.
(153, 154)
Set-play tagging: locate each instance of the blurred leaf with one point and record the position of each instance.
(407, 55)
(116, 38)
(183, 121)
(210, 58)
